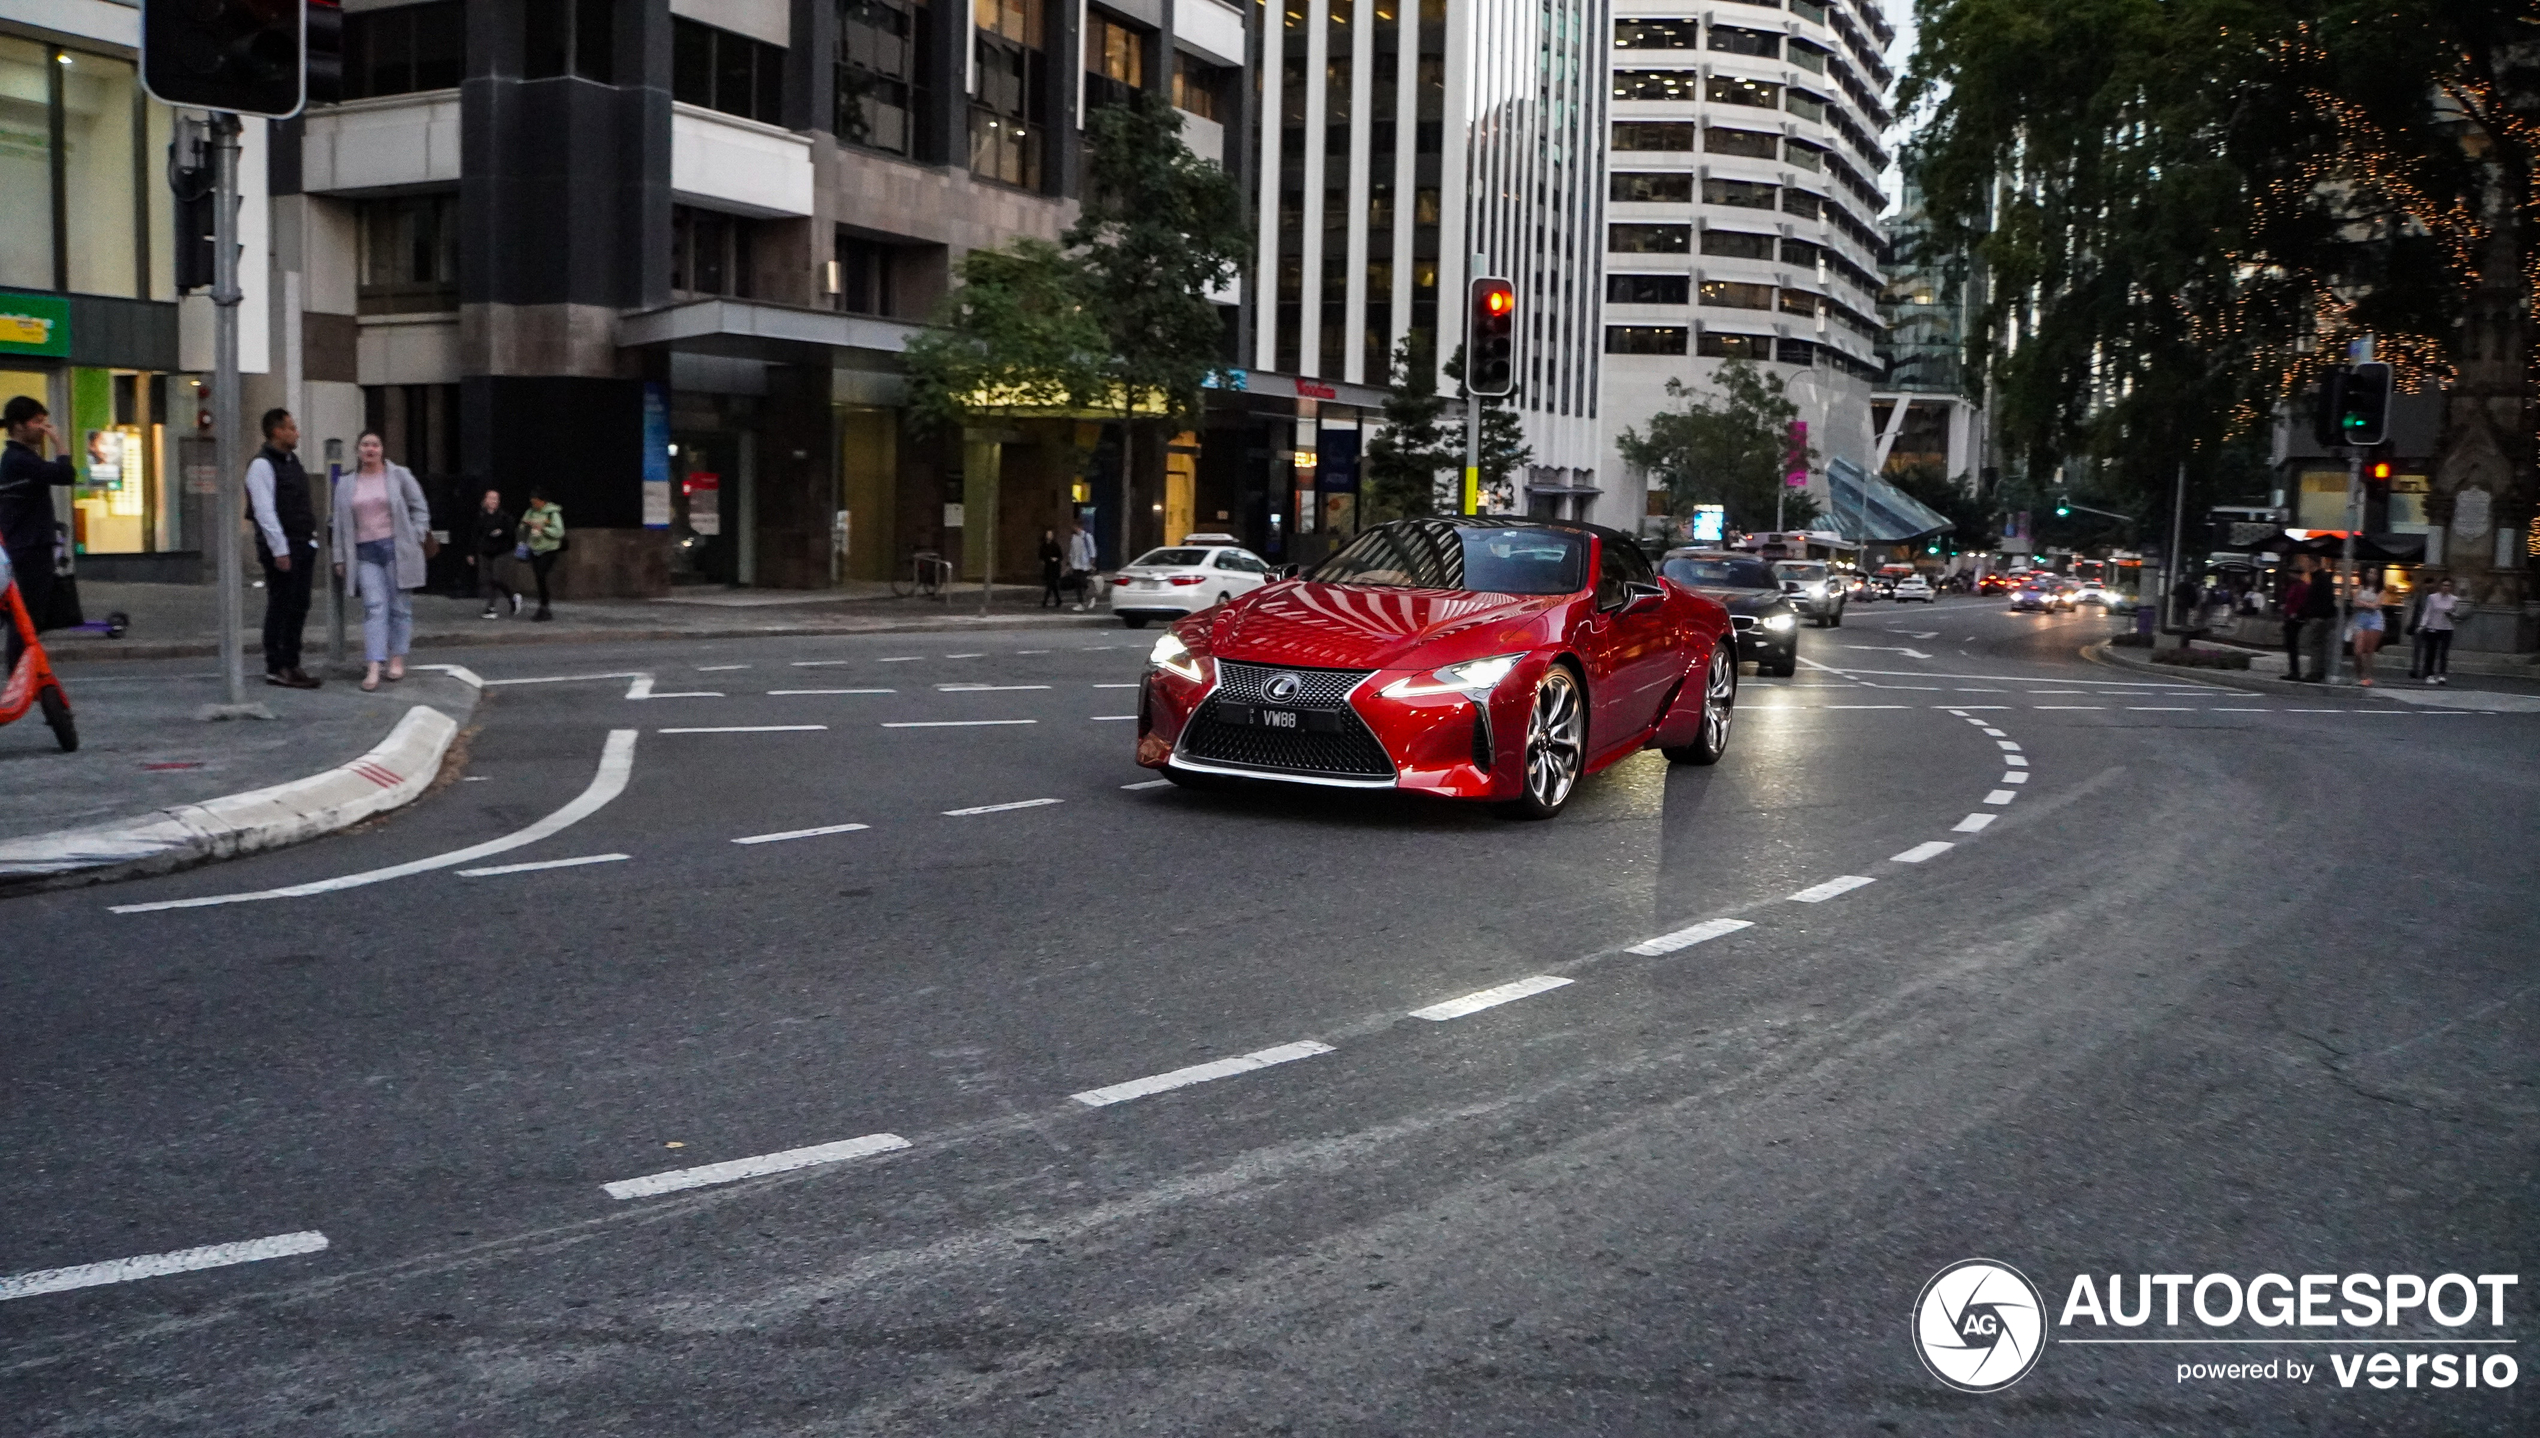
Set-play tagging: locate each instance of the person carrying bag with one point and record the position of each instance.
(542, 538)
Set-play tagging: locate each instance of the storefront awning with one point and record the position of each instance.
(779, 334)
(1865, 508)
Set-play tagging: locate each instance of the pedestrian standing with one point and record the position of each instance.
(542, 539)
(286, 545)
(383, 535)
(27, 525)
(1053, 569)
(496, 533)
(2319, 619)
(2296, 591)
(1082, 558)
(2437, 616)
(2366, 628)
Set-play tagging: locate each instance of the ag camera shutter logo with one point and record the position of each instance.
(1979, 1325)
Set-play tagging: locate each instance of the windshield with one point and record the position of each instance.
(1171, 558)
(1425, 554)
(1804, 573)
(1719, 573)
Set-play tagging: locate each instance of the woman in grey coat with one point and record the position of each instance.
(383, 534)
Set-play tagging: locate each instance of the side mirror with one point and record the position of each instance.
(1285, 571)
(1639, 597)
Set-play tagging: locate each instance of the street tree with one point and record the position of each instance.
(1500, 450)
(1726, 449)
(1013, 338)
(1400, 470)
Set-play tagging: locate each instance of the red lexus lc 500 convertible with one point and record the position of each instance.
(1496, 659)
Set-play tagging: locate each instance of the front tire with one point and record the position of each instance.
(1719, 712)
(1555, 747)
(57, 713)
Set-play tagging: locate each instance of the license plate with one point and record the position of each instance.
(1256, 717)
(1278, 718)
(1146, 584)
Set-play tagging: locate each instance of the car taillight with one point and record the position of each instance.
(1121, 580)
(1190, 579)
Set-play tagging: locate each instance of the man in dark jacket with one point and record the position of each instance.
(286, 545)
(27, 525)
(2319, 618)
(496, 532)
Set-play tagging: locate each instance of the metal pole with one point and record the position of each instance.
(2346, 562)
(988, 564)
(2178, 536)
(226, 413)
(334, 585)
(1472, 402)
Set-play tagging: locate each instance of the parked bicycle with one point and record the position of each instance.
(929, 575)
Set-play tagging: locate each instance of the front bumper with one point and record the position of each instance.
(1441, 744)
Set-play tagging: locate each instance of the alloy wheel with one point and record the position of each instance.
(1719, 703)
(1555, 739)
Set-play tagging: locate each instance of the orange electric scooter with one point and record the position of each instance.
(32, 682)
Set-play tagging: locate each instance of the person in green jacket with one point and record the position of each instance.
(542, 534)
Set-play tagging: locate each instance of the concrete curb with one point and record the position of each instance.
(392, 774)
(111, 649)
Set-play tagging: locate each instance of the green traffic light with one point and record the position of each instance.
(2063, 511)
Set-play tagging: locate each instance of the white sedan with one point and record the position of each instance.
(1183, 579)
(1912, 587)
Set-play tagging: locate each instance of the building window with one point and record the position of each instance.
(1796, 252)
(1653, 135)
(1798, 302)
(1645, 339)
(1006, 111)
(76, 132)
(1738, 244)
(864, 277)
(1754, 144)
(1647, 290)
(1643, 34)
(1731, 90)
(1715, 345)
(1732, 295)
(1649, 239)
(1803, 155)
(1115, 61)
(1796, 351)
(1807, 106)
(1807, 56)
(882, 53)
(405, 50)
(709, 252)
(1800, 202)
(1202, 88)
(569, 37)
(1677, 85)
(1741, 194)
(409, 255)
(718, 70)
(1631, 188)
(1810, 10)
(1729, 39)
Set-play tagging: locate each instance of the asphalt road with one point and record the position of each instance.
(2203, 983)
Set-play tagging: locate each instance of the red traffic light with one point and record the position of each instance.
(1498, 299)
(2381, 469)
(1491, 339)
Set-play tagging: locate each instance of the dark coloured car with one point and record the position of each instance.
(1766, 617)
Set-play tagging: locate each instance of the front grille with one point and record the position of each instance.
(1742, 622)
(1344, 751)
(1241, 683)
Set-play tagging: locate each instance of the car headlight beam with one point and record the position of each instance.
(1473, 678)
(1173, 656)
(1781, 623)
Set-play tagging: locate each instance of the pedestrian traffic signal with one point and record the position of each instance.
(242, 56)
(2363, 406)
(1490, 346)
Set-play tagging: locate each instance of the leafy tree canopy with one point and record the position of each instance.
(1726, 450)
(1013, 337)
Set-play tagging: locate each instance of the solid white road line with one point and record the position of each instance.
(985, 688)
(1930, 849)
(737, 1169)
(542, 864)
(1151, 784)
(566, 678)
(159, 1265)
(2013, 776)
(1115, 686)
(1490, 998)
(955, 723)
(1973, 823)
(2015, 761)
(774, 693)
(1865, 706)
(800, 834)
(617, 760)
(743, 729)
(2000, 796)
(460, 672)
(1200, 1073)
(1107, 718)
(1001, 808)
(1700, 933)
(1819, 893)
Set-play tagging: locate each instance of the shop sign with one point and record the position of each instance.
(34, 324)
(1308, 389)
(705, 502)
(656, 457)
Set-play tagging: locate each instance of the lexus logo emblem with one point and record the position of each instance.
(1282, 688)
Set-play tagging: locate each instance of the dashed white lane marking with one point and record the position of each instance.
(1150, 784)
(900, 659)
(1819, 893)
(777, 693)
(972, 655)
(2166, 709)
(718, 668)
(800, 834)
(1973, 823)
(2013, 776)
(984, 688)
(565, 678)
(742, 729)
(1490, 998)
(2015, 761)
(159, 1265)
(954, 723)
(1200, 1073)
(2068, 706)
(1700, 933)
(737, 1169)
(1000, 808)
(1864, 706)
(2244, 711)
(1033, 651)
(1962, 711)
(488, 873)
(1930, 849)
(1108, 718)
(821, 663)
(1115, 686)
(2000, 796)
(2007, 746)
(617, 760)
(1996, 733)
(642, 688)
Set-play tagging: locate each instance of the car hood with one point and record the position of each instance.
(1351, 626)
(1741, 601)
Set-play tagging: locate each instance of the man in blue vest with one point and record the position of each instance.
(286, 544)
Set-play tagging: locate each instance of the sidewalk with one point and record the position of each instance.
(2263, 638)
(2392, 688)
(154, 788)
(183, 620)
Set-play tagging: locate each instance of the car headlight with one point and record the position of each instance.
(1172, 655)
(1473, 678)
(1780, 623)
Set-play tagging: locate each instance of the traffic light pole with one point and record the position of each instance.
(1472, 403)
(2346, 563)
(222, 530)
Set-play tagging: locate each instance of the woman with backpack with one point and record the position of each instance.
(541, 540)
